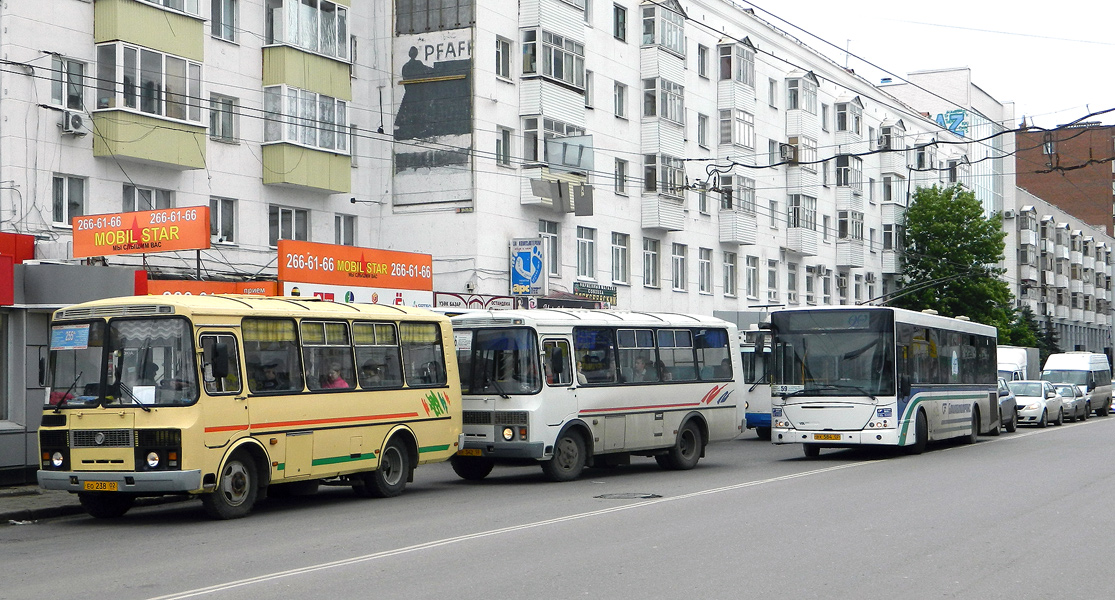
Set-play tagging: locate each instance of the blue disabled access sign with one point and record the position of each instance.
(528, 266)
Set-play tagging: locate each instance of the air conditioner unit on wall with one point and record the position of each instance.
(74, 123)
(1008, 214)
(788, 153)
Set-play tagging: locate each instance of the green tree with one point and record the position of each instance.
(1048, 342)
(951, 255)
(1024, 330)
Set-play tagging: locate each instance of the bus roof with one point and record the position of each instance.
(901, 315)
(575, 316)
(233, 304)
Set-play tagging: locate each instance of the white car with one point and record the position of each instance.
(1038, 402)
(1076, 405)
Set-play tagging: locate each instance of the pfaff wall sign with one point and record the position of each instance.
(141, 232)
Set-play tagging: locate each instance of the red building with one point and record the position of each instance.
(1072, 168)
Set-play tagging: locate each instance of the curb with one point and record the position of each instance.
(23, 516)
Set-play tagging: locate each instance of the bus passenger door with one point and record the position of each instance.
(224, 405)
(559, 399)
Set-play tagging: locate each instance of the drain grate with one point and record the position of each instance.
(627, 496)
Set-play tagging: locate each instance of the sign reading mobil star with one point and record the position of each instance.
(528, 266)
(352, 274)
(142, 232)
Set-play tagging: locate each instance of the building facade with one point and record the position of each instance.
(1071, 167)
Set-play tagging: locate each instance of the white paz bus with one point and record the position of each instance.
(857, 375)
(570, 388)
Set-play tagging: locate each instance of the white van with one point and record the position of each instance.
(1090, 371)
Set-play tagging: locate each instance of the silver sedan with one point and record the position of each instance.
(1076, 405)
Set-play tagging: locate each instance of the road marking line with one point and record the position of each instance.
(494, 532)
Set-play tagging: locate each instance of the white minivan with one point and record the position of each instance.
(1090, 371)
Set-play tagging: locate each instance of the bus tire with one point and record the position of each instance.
(686, 451)
(106, 506)
(763, 433)
(470, 467)
(236, 491)
(569, 458)
(811, 450)
(390, 478)
(921, 434)
(973, 437)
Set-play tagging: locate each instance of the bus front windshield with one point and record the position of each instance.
(501, 361)
(145, 362)
(836, 353)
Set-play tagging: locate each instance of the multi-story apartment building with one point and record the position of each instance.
(1071, 167)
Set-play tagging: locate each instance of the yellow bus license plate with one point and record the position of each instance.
(100, 486)
(828, 437)
(469, 452)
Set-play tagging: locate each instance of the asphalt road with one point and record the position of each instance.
(1024, 515)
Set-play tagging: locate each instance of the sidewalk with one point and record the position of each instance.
(23, 503)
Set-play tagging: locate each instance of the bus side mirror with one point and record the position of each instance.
(557, 365)
(42, 372)
(219, 361)
(903, 386)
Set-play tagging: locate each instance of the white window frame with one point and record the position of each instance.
(301, 117)
(652, 249)
(621, 258)
(120, 89)
(503, 146)
(189, 7)
(586, 253)
(702, 130)
(702, 61)
(663, 174)
(344, 229)
(503, 58)
(678, 268)
(792, 283)
(224, 118)
(223, 18)
(222, 220)
(283, 16)
(704, 270)
(156, 198)
(619, 22)
(664, 99)
(67, 82)
(296, 216)
(621, 175)
(559, 58)
(550, 232)
(731, 274)
(62, 205)
(619, 97)
(772, 281)
(801, 211)
(849, 172)
(664, 28)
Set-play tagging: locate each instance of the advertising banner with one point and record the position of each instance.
(188, 287)
(473, 301)
(528, 266)
(350, 266)
(141, 232)
(350, 293)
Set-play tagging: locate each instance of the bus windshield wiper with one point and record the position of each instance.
(493, 382)
(62, 398)
(127, 390)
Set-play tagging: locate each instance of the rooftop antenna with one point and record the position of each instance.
(847, 49)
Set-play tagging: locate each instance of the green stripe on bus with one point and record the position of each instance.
(911, 408)
(281, 467)
(342, 459)
(433, 448)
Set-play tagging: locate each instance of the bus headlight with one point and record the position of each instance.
(56, 459)
(508, 434)
(152, 459)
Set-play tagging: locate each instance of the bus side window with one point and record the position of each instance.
(230, 383)
(556, 363)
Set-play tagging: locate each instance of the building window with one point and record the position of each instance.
(702, 198)
(344, 230)
(745, 194)
(806, 150)
(663, 174)
(704, 270)
(774, 152)
(503, 146)
(730, 274)
(751, 277)
(154, 83)
(772, 281)
(802, 212)
(810, 298)
(737, 127)
(774, 213)
(223, 19)
(621, 263)
(69, 199)
(772, 92)
(306, 118)
(548, 231)
(702, 130)
(677, 261)
(67, 83)
(186, 6)
(562, 59)
(792, 283)
(849, 117)
(222, 220)
(223, 118)
(533, 151)
(737, 62)
(141, 198)
(801, 94)
(620, 97)
(664, 27)
(826, 287)
(621, 177)
(650, 262)
(871, 189)
(849, 225)
(589, 89)
(702, 61)
(824, 117)
(287, 224)
(503, 58)
(619, 22)
(871, 240)
(849, 172)
(727, 192)
(586, 252)
(315, 26)
(826, 227)
(665, 99)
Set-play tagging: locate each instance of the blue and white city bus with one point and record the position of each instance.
(856, 375)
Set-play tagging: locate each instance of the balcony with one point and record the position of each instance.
(1076, 286)
(306, 168)
(849, 253)
(1062, 311)
(1028, 273)
(1077, 314)
(802, 240)
(1089, 263)
(308, 71)
(140, 138)
(1061, 281)
(145, 25)
(1027, 237)
(737, 227)
(662, 212)
(892, 262)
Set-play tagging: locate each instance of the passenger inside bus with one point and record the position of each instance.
(332, 379)
(272, 380)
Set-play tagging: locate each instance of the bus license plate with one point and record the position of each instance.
(828, 437)
(469, 452)
(100, 486)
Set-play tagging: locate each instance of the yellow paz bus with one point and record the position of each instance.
(223, 397)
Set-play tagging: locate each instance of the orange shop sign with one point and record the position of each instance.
(141, 232)
(189, 287)
(330, 264)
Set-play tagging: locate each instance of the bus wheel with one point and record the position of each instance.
(236, 493)
(811, 450)
(470, 467)
(763, 433)
(972, 437)
(921, 435)
(106, 506)
(390, 478)
(568, 460)
(686, 452)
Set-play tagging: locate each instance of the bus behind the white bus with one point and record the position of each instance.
(857, 375)
(570, 388)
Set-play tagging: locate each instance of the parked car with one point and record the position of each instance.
(1037, 400)
(1076, 405)
(1008, 407)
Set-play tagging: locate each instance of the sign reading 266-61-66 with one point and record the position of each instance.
(185, 228)
(528, 267)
